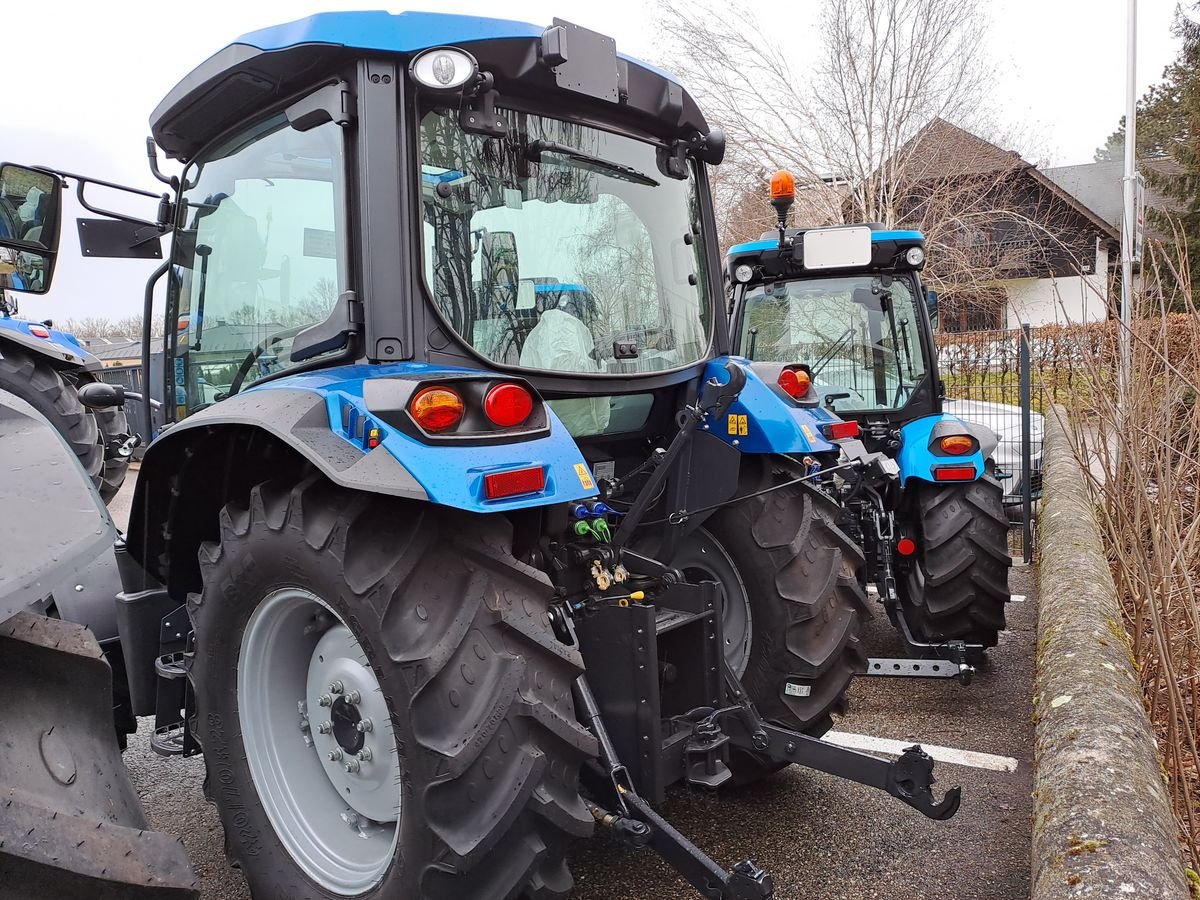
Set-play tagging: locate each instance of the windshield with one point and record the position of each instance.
(562, 247)
(861, 339)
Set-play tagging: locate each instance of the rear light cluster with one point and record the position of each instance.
(440, 408)
(795, 382)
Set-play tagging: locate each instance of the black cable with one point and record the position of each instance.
(678, 518)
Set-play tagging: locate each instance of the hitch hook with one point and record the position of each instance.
(910, 779)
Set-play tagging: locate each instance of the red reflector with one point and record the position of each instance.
(954, 473)
(508, 404)
(518, 481)
(837, 431)
(906, 546)
(39, 332)
(795, 382)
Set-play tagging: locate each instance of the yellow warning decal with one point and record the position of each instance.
(733, 423)
(585, 477)
(808, 433)
(743, 425)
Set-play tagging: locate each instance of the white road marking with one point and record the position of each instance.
(951, 755)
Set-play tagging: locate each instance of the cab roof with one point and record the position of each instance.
(265, 66)
(771, 262)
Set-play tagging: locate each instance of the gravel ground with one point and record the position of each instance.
(821, 837)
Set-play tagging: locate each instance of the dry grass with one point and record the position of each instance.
(1141, 449)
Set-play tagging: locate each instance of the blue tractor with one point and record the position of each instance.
(836, 320)
(41, 364)
(443, 576)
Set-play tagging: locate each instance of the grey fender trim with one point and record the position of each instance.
(299, 419)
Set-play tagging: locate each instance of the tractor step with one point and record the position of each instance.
(886, 667)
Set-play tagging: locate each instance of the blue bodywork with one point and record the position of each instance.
(760, 421)
(404, 32)
(915, 458)
(450, 475)
(62, 346)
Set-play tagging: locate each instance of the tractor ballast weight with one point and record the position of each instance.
(844, 306)
(482, 533)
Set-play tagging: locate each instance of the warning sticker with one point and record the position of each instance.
(739, 425)
(797, 690)
(808, 433)
(585, 477)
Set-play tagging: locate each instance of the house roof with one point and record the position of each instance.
(1098, 185)
(943, 150)
(114, 348)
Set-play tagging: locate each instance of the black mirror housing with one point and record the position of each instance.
(30, 215)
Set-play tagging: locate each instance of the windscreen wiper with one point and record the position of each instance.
(588, 161)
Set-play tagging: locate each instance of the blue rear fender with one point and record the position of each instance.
(449, 475)
(60, 346)
(762, 421)
(917, 457)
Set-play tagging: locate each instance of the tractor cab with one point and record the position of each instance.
(844, 305)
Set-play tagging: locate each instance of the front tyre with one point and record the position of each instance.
(957, 583)
(383, 707)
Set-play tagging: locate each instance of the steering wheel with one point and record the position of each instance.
(253, 356)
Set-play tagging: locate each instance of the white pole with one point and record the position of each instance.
(1129, 218)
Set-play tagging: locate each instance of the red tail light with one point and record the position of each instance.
(795, 382)
(837, 431)
(39, 331)
(954, 473)
(507, 405)
(518, 481)
(906, 546)
(437, 408)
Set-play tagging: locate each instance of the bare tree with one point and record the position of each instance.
(843, 122)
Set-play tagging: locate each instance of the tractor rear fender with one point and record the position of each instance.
(323, 420)
(60, 348)
(763, 420)
(920, 454)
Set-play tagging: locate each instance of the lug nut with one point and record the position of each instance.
(364, 726)
(352, 765)
(365, 754)
(354, 697)
(325, 727)
(325, 700)
(335, 754)
(336, 687)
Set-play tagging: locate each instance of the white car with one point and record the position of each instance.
(1005, 420)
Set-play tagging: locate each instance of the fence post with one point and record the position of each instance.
(1026, 444)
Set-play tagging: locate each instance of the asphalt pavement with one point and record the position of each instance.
(822, 838)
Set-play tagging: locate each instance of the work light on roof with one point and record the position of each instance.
(915, 256)
(743, 273)
(443, 69)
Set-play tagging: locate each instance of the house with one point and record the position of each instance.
(1007, 243)
(114, 352)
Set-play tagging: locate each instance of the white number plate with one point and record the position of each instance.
(837, 248)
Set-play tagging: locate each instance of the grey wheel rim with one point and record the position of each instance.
(319, 741)
(703, 558)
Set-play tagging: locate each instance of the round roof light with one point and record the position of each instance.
(743, 273)
(915, 256)
(443, 69)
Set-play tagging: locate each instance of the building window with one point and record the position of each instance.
(979, 310)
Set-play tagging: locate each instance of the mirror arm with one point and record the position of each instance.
(152, 153)
(110, 214)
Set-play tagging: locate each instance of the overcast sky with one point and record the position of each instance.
(83, 79)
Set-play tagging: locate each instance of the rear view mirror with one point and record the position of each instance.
(30, 204)
(931, 303)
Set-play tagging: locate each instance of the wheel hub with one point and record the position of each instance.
(353, 737)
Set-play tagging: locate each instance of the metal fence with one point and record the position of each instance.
(988, 380)
(132, 380)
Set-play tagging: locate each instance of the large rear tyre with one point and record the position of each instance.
(114, 429)
(37, 383)
(333, 622)
(957, 584)
(798, 576)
